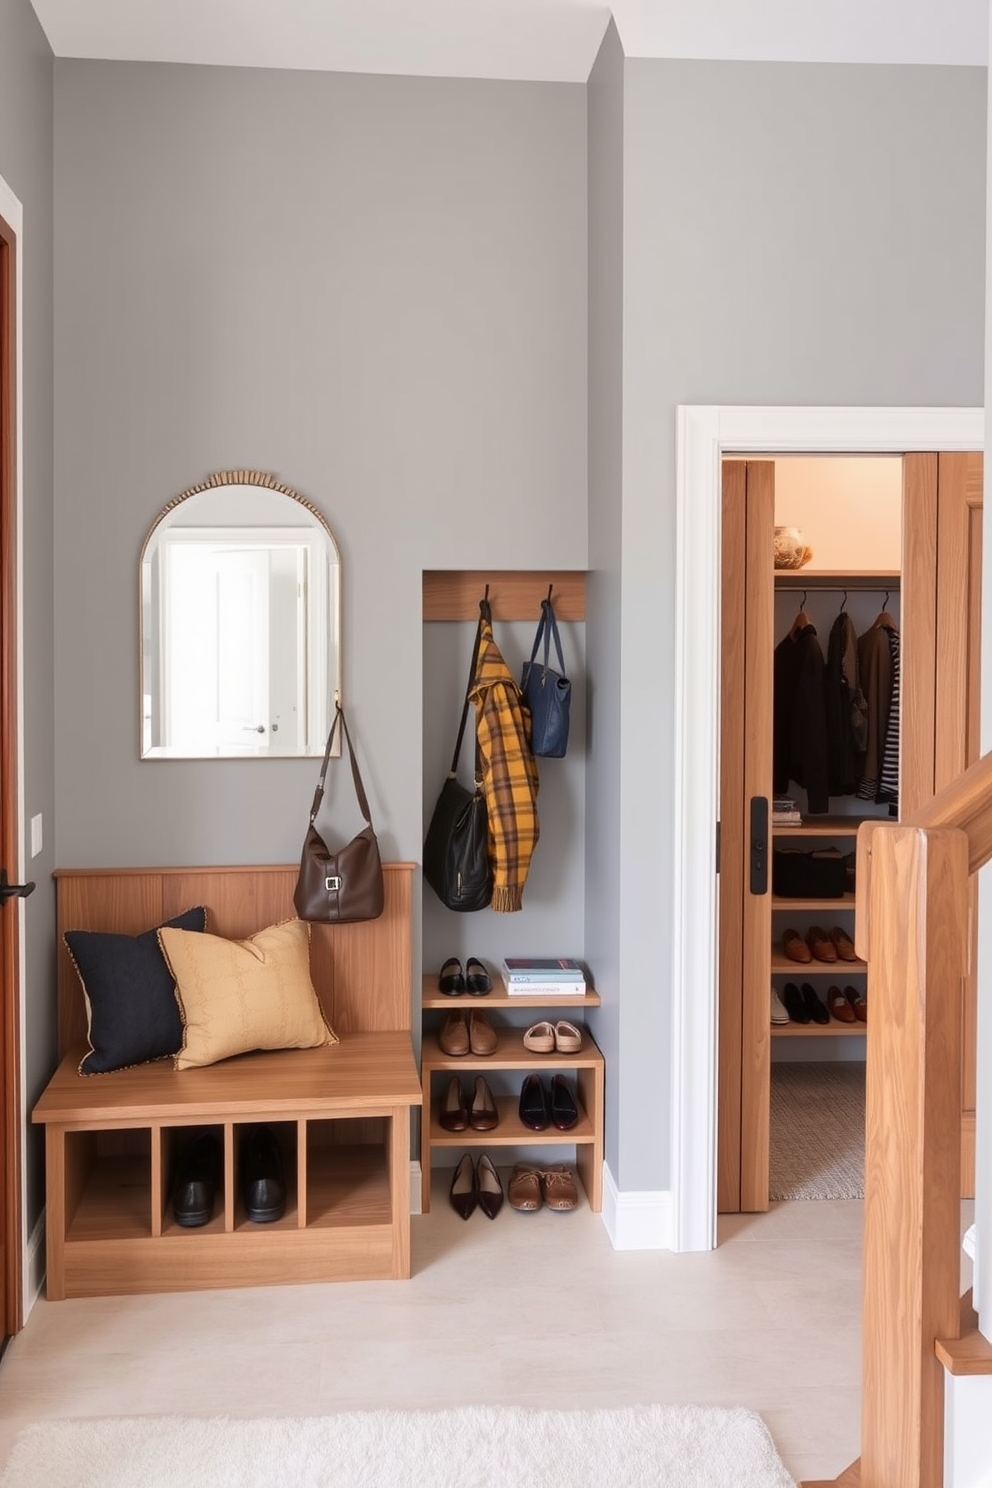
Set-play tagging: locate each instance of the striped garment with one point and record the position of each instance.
(888, 786)
(508, 772)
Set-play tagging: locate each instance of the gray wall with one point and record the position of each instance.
(373, 288)
(26, 85)
(602, 896)
(793, 234)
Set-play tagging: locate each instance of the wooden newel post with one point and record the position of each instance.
(912, 927)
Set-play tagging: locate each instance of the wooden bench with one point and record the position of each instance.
(341, 1114)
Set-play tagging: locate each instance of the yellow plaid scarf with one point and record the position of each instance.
(508, 772)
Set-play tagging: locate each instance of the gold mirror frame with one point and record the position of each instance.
(239, 623)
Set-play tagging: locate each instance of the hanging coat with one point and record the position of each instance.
(508, 772)
(875, 667)
(846, 709)
(799, 725)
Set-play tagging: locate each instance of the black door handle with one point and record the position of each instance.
(13, 891)
(759, 845)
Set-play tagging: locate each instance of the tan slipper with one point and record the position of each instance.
(540, 1038)
(568, 1038)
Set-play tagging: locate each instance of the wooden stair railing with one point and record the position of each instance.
(912, 927)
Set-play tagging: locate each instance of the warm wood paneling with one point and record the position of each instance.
(363, 972)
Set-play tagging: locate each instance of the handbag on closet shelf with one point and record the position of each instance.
(338, 887)
(547, 693)
(457, 864)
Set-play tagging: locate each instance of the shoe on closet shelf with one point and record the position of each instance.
(453, 1114)
(839, 1006)
(858, 1003)
(564, 1111)
(540, 1038)
(488, 1187)
(558, 1185)
(795, 1003)
(453, 1038)
(524, 1188)
(568, 1038)
(533, 1107)
(451, 979)
(482, 1114)
(482, 1038)
(795, 947)
(464, 1193)
(477, 979)
(843, 944)
(815, 1005)
(820, 944)
(779, 1011)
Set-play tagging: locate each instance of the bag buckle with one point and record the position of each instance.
(332, 883)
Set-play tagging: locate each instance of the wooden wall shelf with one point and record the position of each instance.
(514, 594)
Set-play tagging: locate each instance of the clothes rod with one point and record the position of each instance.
(877, 581)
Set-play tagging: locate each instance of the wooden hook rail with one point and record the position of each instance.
(515, 594)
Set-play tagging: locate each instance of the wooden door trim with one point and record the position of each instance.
(704, 434)
(10, 1024)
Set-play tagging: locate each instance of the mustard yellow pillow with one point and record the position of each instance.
(240, 995)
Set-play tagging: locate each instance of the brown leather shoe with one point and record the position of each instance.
(559, 1187)
(524, 1188)
(481, 1034)
(453, 1038)
(843, 944)
(839, 1006)
(453, 1114)
(858, 1003)
(795, 947)
(820, 944)
(482, 1114)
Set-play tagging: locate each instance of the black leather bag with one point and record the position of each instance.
(547, 693)
(457, 863)
(338, 887)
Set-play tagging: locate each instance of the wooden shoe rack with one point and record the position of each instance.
(587, 1067)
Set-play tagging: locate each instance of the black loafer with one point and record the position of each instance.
(451, 978)
(262, 1180)
(533, 1108)
(196, 1179)
(815, 1005)
(477, 978)
(564, 1111)
(795, 1004)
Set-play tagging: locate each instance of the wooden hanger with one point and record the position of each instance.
(801, 620)
(883, 617)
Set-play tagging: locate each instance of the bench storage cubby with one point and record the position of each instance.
(341, 1114)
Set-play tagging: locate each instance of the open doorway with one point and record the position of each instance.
(705, 435)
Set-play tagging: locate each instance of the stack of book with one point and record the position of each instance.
(543, 976)
(785, 812)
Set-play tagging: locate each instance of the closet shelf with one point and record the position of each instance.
(801, 971)
(839, 579)
(827, 906)
(819, 1030)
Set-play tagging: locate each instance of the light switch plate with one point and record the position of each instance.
(36, 836)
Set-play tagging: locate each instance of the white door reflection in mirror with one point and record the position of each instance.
(240, 646)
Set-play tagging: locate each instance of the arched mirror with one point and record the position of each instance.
(240, 623)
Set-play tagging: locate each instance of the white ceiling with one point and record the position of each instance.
(555, 40)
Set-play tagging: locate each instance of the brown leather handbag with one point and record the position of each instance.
(337, 887)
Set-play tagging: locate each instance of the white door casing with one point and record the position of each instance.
(705, 433)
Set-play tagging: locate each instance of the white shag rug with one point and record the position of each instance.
(474, 1447)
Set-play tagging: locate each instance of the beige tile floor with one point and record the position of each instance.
(524, 1310)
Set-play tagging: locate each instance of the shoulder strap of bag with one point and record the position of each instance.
(548, 628)
(484, 614)
(318, 794)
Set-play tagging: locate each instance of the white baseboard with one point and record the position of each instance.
(34, 1265)
(416, 1189)
(636, 1220)
(967, 1449)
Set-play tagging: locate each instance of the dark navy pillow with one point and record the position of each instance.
(131, 1009)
